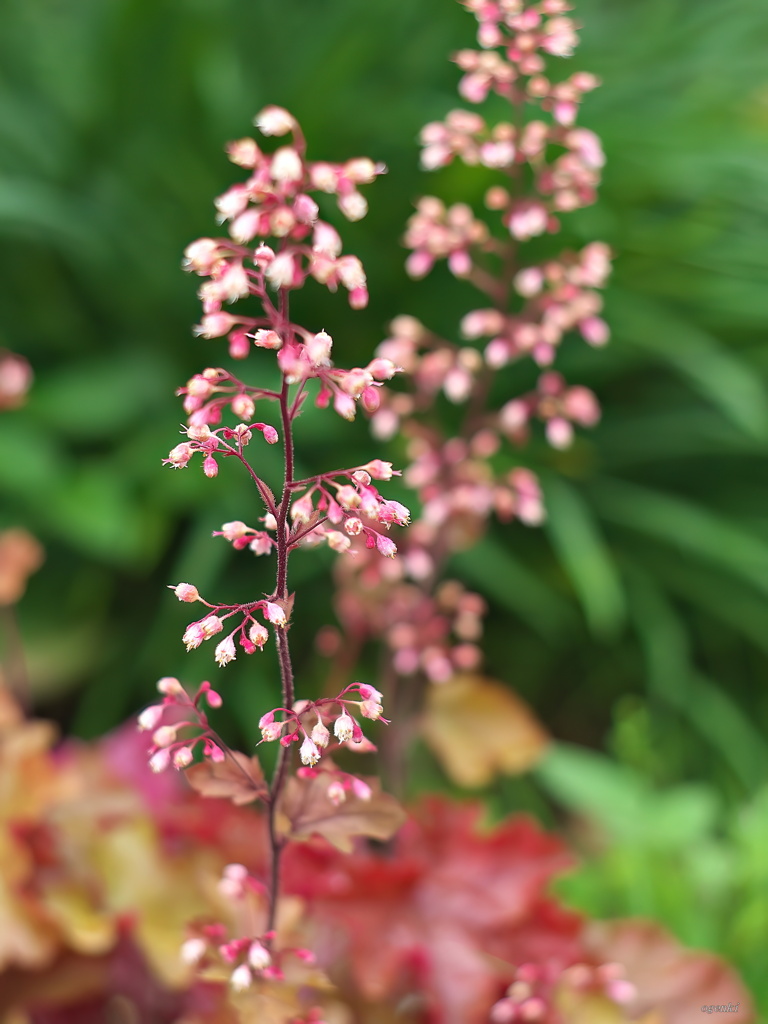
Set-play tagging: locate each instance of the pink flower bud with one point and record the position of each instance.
(234, 530)
(241, 978)
(272, 731)
(358, 298)
(193, 636)
(274, 121)
(286, 165)
(361, 789)
(160, 760)
(305, 209)
(258, 956)
(271, 436)
(371, 709)
(211, 625)
(170, 687)
(281, 273)
(214, 325)
(193, 951)
(258, 634)
(214, 699)
(308, 752)
(353, 205)
(370, 399)
(243, 152)
(214, 751)
(210, 466)
(267, 339)
(275, 614)
(394, 512)
(318, 349)
(225, 651)
(385, 546)
(343, 728)
(263, 256)
(150, 717)
(165, 735)
(243, 407)
(559, 432)
(344, 405)
(260, 543)
(368, 692)
(183, 757)
(179, 456)
(185, 592)
(594, 331)
(201, 256)
(336, 793)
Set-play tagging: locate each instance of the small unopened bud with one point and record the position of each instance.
(193, 951)
(320, 734)
(182, 757)
(368, 692)
(150, 717)
(274, 121)
(159, 761)
(241, 978)
(336, 793)
(361, 789)
(258, 956)
(243, 407)
(165, 735)
(170, 686)
(185, 592)
(210, 467)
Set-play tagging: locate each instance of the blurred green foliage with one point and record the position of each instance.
(636, 619)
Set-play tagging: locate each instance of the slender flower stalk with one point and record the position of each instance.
(275, 203)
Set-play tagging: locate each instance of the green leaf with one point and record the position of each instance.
(586, 558)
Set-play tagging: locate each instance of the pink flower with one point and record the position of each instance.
(258, 634)
(186, 592)
(394, 512)
(225, 651)
(275, 614)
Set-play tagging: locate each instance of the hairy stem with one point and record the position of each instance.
(283, 650)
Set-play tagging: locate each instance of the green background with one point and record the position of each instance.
(635, 620)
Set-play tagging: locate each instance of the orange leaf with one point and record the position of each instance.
(478, 728)
(20, 556)
(304, 810)
(238, 778)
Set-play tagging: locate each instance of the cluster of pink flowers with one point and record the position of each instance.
(275, 201)
(177, 711)
(308, 720)
(245, 957)
(543, 992)
(547, 166)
